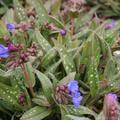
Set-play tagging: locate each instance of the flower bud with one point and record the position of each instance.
(62, 32)
(12, 48)
(111, 108)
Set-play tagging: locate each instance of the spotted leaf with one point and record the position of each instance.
(36, 113)
(67, 60)
(46, 84)
(19, 11)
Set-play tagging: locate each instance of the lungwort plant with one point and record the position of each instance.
(58, 66)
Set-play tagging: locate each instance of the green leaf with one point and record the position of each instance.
(41, 100)
(56, 21)
(9, 96)
(65, 80)
(64, 112)
(112, 73)
(46, 84)
(43, 43)
(93, 76)
(53, 78)
(3, 30)
(86, 18)
(48, 57)
(6, 73)
(9, 16)
(40, 10)
(19, 11)
(53, 67)
(80, 111)
(36, 113)
(110, 69)
(77, 118)
(110, 36)
(91, 57)
(100, 116)
(29, 70)
(67, 60)
(55, 7)
(7, 106)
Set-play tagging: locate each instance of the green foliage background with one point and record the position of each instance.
(86, 56)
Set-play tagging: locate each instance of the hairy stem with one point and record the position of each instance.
(28, 80)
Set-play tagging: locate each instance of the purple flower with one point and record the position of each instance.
(4, 52)
(10, 27)
(111, 108)
(21, 99)
(76, 96)
(12, 47)
(76, 101)
(73, 86)
(62, 32)
(110, 25)
(112, 97)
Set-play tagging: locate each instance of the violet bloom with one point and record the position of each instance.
(10, 27)
(12, 47)
(110, 25)
(111, 108)
(4, 52)
(76, 100)
(73, 86)
(63, 32)
(21, 99)
(76, 96)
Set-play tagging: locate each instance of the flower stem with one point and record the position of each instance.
(28, 80)
(72, 25)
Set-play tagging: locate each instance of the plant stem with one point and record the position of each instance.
(28, 80)
(72, 25)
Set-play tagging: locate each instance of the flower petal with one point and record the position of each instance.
(76, 101)
(10, 27)
(4, 53)
(73, 86)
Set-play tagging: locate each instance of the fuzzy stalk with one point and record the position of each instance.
(28, 80)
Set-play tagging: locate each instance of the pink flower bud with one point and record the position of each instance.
(12, 48)
(111, 108)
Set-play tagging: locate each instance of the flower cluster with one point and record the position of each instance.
(111, 108)
(110, 25)
(23, 56)
(76, 96)
(64, 93)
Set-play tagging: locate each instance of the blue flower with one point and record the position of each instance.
(73, 86)
(110, 25)
(63, 32)
(10, 27)
(4, 52)
(76, 101)
(76, 96)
